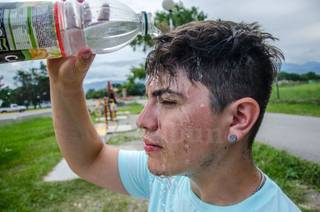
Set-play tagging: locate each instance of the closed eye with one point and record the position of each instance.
(165, 102)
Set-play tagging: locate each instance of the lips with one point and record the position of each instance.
(151, 146)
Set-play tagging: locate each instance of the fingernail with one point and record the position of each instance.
(86, 55)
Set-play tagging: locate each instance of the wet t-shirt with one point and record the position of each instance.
(175, 194)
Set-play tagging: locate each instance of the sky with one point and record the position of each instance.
(295, 22)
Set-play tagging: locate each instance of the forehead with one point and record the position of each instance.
(179, 83)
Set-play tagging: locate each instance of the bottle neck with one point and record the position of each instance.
(145, 22)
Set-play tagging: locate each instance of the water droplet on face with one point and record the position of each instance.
(187, 161)
(186, 147)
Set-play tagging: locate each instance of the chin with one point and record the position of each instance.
(157, 170)
(162, 170)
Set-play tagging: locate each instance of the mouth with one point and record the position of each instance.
(151, 146)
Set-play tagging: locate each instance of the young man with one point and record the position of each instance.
(208, 86)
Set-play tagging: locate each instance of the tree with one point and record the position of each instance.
(310, 76)
(298, 77)
(33, 86)
(137, 73)
(180, 15)
(96, 94)
(1, 83)
(289, 76)
(5, 94)
(24, 90)
(42, 83)
(135, 82)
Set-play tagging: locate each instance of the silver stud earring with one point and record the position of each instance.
(232, 138)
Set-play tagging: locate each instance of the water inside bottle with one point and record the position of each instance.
(110, 36)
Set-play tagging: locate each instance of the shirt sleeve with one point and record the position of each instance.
(134, 173)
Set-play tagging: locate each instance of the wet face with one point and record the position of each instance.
(182, 135)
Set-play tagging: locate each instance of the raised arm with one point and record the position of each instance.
(77, 138)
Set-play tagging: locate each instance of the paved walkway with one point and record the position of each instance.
(62, 172)
(12, 117)
(299, 135)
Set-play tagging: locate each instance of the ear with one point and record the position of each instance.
(245, 113)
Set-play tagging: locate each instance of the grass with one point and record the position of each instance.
(293, 175)
(121, 138)
(300, 99)
(28, 151)
(308, 92)
(133, 108)
(296, 109)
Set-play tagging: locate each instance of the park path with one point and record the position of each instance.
(18, 116)
(298, 135)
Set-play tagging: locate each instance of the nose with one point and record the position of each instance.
(148, 118)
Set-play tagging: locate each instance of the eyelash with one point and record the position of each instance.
(167, 102)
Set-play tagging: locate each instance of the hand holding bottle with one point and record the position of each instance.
(69, 73)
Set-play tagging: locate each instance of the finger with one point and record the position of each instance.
(53, 64)
(84, 59)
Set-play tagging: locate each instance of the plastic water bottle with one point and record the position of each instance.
(50, 29)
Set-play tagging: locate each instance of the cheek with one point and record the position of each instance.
(188, 128)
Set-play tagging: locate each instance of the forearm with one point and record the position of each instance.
(75, 134)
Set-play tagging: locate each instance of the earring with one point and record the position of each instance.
(232, 138)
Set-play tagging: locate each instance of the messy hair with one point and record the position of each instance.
(233, 60)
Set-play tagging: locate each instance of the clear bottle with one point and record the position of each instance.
(50, 29)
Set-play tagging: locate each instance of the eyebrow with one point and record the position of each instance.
(162, 91)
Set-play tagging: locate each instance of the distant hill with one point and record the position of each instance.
(100, 84)
(301, 68)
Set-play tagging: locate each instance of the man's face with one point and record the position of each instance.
(181, 133)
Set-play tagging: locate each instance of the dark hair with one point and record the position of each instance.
(233, 60)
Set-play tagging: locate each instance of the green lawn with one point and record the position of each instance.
(28, 152)
(308, 92)
(293, 175)
(133, 108)
(302, 99)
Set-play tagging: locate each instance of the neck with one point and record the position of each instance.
(227, 182)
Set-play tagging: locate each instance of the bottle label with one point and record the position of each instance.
(27, 31)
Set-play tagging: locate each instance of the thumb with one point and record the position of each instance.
(84, 59)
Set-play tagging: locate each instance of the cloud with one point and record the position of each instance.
(119, 63)
(8, 71)
(115, 65)
(294, 22)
